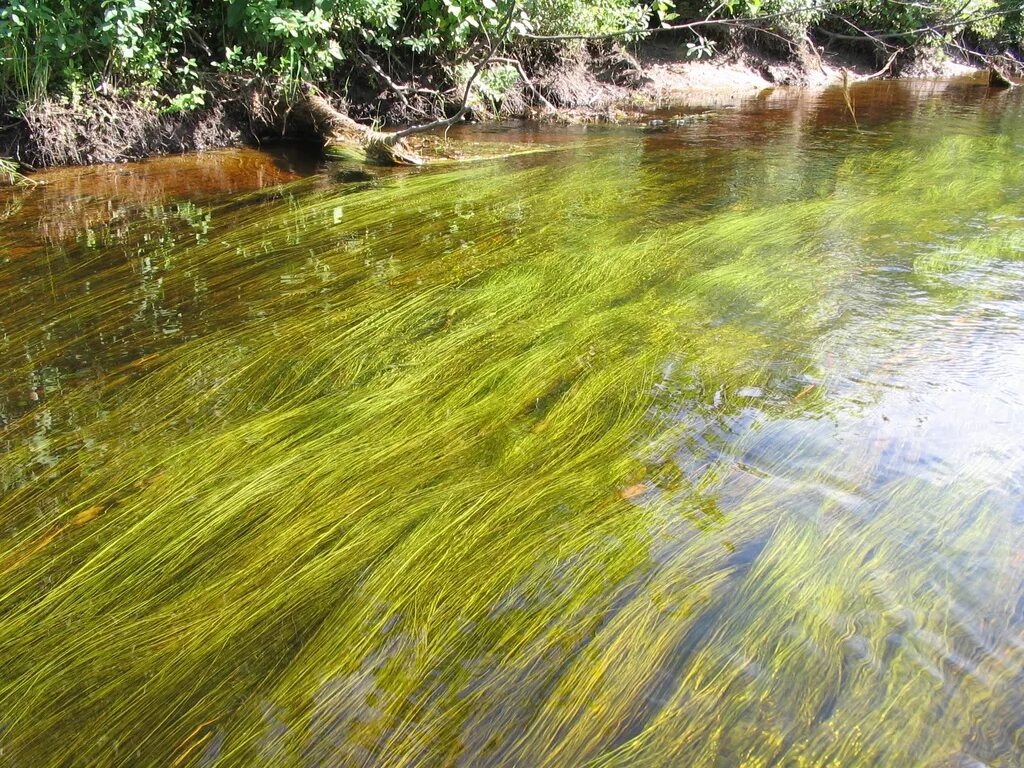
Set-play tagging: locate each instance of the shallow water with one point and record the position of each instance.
(695, 447)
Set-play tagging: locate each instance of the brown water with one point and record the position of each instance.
(698, 445)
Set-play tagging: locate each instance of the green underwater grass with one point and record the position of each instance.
(533, 462)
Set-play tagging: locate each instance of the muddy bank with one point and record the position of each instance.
(100, 128)
(598, 84)
(670, 73)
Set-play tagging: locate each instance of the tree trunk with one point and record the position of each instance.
(999, 79)
(345, 139)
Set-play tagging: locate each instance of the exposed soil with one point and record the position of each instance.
(107, 130)
(670, 76)
(607, 85)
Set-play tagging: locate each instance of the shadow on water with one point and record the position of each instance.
(698, 446)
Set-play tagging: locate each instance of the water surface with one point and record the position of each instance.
(701, 446)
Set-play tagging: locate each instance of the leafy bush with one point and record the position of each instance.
(302, 40)
(39, 42)
(48, 45)
(944, 16)
(587, 17)
(70, 46)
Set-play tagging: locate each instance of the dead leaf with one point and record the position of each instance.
(633, 491)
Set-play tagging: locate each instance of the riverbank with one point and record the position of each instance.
(610, 84)
(87, 81)
(69, 200)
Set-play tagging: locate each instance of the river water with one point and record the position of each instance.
(691, 446)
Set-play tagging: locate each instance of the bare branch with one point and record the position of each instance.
(464, 107)
(814, 52)
(384, 78)
(400, 89)
(526, 81)
(868, 35)
(757, 23)
(934, 28)
(888, 64)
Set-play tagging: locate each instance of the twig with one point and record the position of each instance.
(377, 70)
(888, 64)
(873, 38)
(464, 107)
(526, 81)
(200, 42)
(848, 97)
(401, 90)
(817, 56)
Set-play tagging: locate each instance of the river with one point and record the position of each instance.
(690, 445)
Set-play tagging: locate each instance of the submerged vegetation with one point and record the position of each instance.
(589, 459)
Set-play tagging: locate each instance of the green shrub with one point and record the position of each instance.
(587, 17)
(70, 46)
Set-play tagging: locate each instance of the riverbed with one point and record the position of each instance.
(697, 442)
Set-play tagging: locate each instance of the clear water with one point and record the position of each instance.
(692, 447)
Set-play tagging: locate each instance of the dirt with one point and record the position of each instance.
(606, 86)
(109, 130)
(745, 71)
(664, 74)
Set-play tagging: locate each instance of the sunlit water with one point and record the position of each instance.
(692, 447)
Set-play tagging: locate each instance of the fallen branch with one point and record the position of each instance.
(345, 139)
(997, 78)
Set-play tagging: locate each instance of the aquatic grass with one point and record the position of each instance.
(478, 468)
